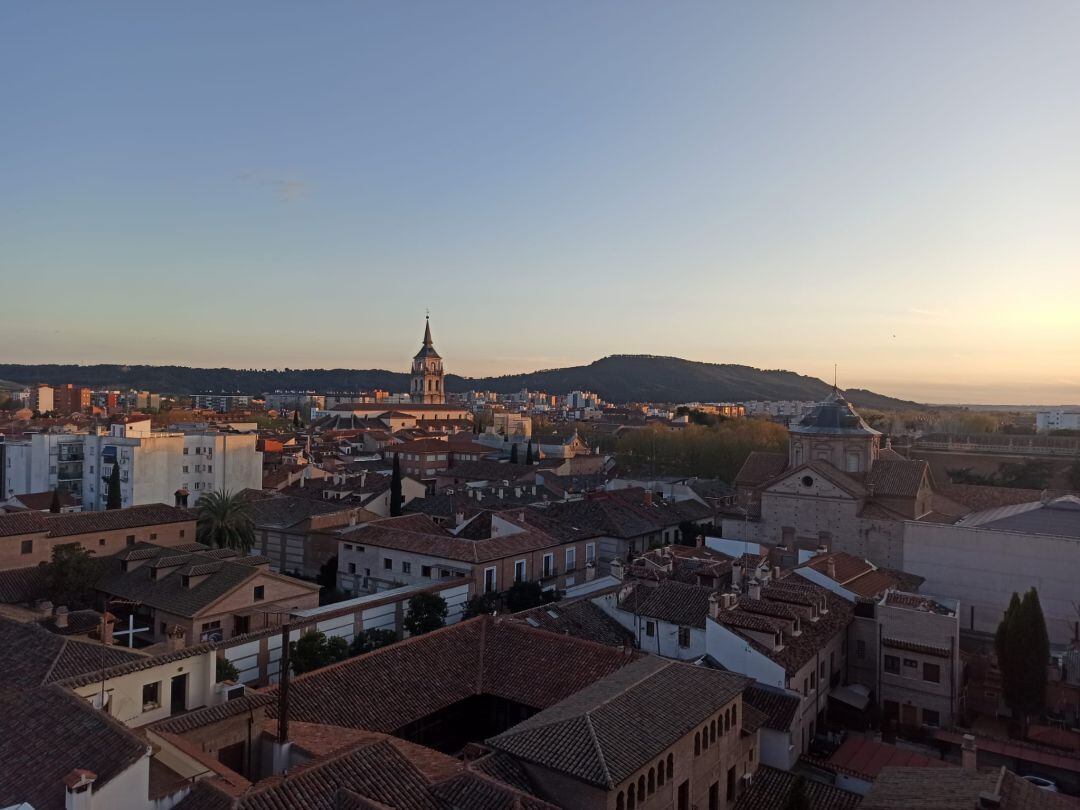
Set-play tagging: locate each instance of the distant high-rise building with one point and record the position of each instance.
(427, 373)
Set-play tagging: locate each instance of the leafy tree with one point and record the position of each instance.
(524, 595)
(223, 520)
(1032, 473)
(54, 506)
(688, 533)
(1023, 650)
(70, 577)
(427, 612)
(328, 572)
(395, 489)
(706, 452)
(798, 799)
(479, 606)
(529, 453)
(965, 475)
(367, 640)
(226, 670)
(514, 453)
(314, 651)
(112, 499)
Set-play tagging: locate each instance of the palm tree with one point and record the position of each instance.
(224, 521)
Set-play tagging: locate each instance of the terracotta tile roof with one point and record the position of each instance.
(916, 647)
(483, 470)
(68, 524)
(190, 721)
(771, 789)
(285, 511)
(977, 498)
(608, 730)
(42, 501)
(22, 584)
(670, 601)
(394, 686)
(32, 656)
(760, 467)
(897, 478)
(45, 733)
(778, 707)
(579, 618)
(865, 756)
(899, 788)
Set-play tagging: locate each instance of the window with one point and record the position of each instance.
(670, 766)
(731, 783)
(813, 680)
(348, 546)
(714, 796)
(153, 536)
(705, 738)
(892, 664)
(519, 571)
(101, 541)
(489, 580)
(931, 673)
(185, 451)
(860, 649)
(388, 564)
(684, 637)
(182, 532)
(930, 717)
(650, 628)
(571, 559)
(712, 731)
(406, 567)
(652, 781)
(805, 687)
(185, 469)
(151, 696)
(352, 568)
(241, 625)
(697, 743)
(260, 593)
(27, 547)
(130, 539)
(549, 564)
(911, 663)
(590, 552)
(660, 772)
(425, 570)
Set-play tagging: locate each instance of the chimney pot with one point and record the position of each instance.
(755, 589)
(60, 617)
(832, 569)
(968, 753)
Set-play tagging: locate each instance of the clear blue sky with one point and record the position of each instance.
(894, 187)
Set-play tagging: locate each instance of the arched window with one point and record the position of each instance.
(641, 786)
(697, 743)
(670, 766)
(631, 798)
(705, 737)
(712, 731)
(652, 780)
(727, 719)
(660, 772)
(734, 719)
(620, 802)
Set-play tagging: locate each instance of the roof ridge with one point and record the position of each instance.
(599, 750)
(56, 659)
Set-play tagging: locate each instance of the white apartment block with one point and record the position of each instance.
(1059, 419)
(154, 465)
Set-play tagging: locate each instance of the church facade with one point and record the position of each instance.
(427, 384)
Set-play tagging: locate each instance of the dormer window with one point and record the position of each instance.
(185, 581)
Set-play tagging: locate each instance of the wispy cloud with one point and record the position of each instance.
(927, 313)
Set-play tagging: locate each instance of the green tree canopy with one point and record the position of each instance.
(226, 671)
(524, 595)
(367, 640)
(112, 498)
(707, 452)
(314, 650)
(1023, 652)
(223, 520)
(427, 612)
(71, 576)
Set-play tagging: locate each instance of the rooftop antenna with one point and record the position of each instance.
(834, 387)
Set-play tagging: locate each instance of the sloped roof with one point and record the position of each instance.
(67, 524)
(580, 618)
(32, 656)
(771, 789)
(389, 688)
(670, 601)
(607, 731)
(778, 707)
(760, 467)
(286, 511)
(897, 478)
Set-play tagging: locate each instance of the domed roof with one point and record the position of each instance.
(834, 416)
(427, 350)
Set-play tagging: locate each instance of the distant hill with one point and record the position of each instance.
(619, 378)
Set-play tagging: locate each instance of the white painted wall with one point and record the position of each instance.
(733, 548)
(736, 654)
(777, 750)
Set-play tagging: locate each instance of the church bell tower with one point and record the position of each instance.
(427, 373)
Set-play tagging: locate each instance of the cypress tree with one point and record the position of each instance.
(112, 499)
(54, 507)
(528, 453)
(1023, 650)
(395, 489)
(513, 453)
(296, 418)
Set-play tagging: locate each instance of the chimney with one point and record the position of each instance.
(968, 753)
(755, 589)
(79, 789)
(831, 568)
(60, 617)
(699, 541)
(616, 569)
(648, 497)
(174, 638)
(108, 622)
(459, 518)
(714, 605)
(736, 574)
(776, 573)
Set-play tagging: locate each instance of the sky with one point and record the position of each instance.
(890, 187)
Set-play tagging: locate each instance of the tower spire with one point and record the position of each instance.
(427, 330)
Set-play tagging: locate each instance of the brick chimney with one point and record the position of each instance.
(736, 574)
(754, 590)
(616, 569)
(79, 789)
(714, 605)
(60, 617)
(831, 568)
(108, 623)
(968, 753)
(174, 638)
(648, 497)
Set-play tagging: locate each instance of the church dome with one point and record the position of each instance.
(834, 416)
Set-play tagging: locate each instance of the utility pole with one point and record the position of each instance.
(283, 688)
